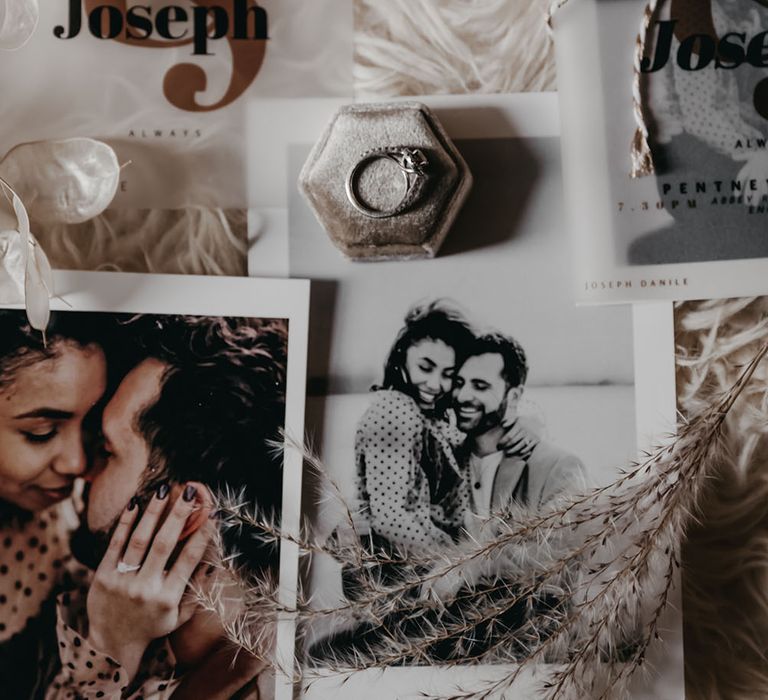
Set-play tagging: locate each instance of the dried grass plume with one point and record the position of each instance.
(586, 580)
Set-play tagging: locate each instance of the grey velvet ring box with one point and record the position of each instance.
(417, 232)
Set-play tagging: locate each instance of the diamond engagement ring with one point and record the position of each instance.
(123, 568)
(413, 164)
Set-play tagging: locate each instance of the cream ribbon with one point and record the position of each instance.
(25, 273)
(66, 182)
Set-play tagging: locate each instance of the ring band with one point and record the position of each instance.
(123, 568)
(413, 164)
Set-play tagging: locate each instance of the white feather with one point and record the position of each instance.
(38, 278)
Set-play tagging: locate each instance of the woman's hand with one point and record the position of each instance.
(135, 596)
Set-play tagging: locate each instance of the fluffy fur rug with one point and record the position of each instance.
(192, 241)
(726, 556)
(418, 47)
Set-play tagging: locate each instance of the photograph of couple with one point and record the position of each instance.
(121, 436)
(441, 452)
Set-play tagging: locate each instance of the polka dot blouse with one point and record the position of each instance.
(34, 559)
(86, 673)
(35, 563)
(410, 489)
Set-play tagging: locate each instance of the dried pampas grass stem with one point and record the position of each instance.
(582, 584)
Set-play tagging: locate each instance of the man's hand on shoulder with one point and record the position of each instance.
(520, 438)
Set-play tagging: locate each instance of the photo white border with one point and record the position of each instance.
(113, 292)
(656, 416)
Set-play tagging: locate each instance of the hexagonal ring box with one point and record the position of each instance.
(423, 214)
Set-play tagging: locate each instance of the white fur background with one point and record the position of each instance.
(421, 47)
(725, 558)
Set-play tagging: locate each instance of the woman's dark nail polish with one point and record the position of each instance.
(189, 493)
(162, 490)
(133, 503)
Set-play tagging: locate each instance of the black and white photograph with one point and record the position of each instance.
(138, 457)
(471, 388)
(442, 448)
(453, 438)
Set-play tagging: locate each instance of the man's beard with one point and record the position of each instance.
(89, 547)
(487, 421)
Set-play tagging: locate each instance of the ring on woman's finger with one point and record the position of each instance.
(123, 568)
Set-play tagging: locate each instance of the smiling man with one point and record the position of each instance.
(486, 397)
(487, 393)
